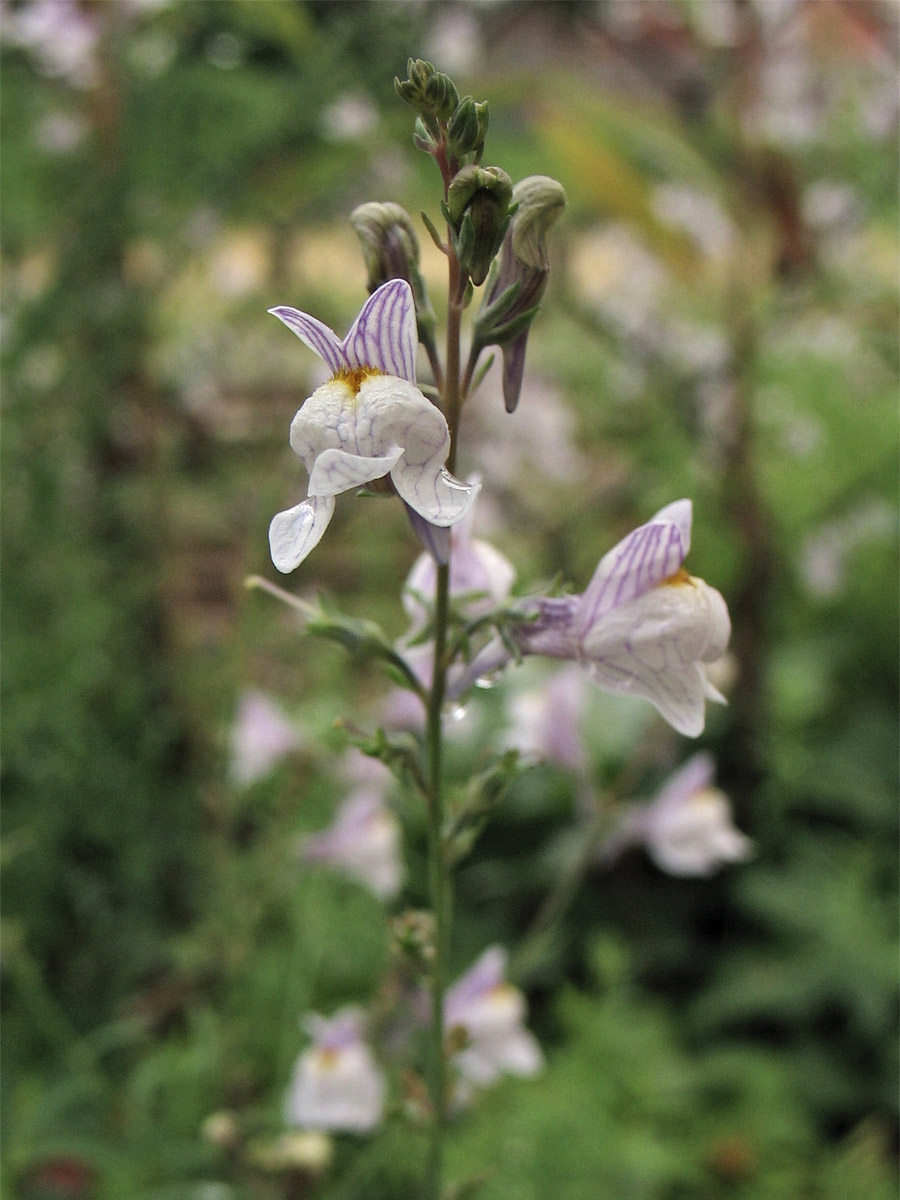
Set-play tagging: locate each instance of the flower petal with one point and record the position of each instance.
(384, 333)
(315, 334)
(695, 775)
(337, 471)
(296, 531)
(680, 513)
(640, 561)
(433, 492)
(654, 647)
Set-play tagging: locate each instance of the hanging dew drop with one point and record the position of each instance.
(457, 712)
(488, 681)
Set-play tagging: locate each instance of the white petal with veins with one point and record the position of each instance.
(298, 530)
(655, 646)
(337, 471)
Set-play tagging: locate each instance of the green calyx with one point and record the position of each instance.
(478, 212)
(468, 128)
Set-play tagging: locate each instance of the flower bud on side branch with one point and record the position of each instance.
(391, 250)
(519, 279)
(477, 211)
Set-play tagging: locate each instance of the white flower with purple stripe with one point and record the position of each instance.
(336, 1084)
(491, 1014)
(644, 626)
(688, 829)
(369, 420)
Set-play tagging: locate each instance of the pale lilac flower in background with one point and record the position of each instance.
(491, 1013)
(368, 421)
(349, 118)
(827, 551)
(477, 570)
(363, 841)
(455, 40)
(402, 708)
(543, 447)
(336, 1084)
(545, 721)
(643, 627)
(261, 737)
(61, 35)
(698, 213)
(480, 579)
(60, 132)
(688, 828)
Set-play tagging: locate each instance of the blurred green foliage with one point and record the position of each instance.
(733, 1037)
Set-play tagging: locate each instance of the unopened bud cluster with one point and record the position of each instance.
(497, 232)
(431, 93)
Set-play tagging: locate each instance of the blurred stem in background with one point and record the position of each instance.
(103, 755)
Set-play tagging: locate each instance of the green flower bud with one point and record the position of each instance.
(429, 92)
(478, 212)
(520, 279)
(468, 128)
(391, 250)
(413, 939)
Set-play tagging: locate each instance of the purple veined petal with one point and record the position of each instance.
(712, 692)
(435, 538)
(315, 334)
(678, 698)
(384, 334)
(639, 562)
(336, 471)
(298, 530)
(433, 492)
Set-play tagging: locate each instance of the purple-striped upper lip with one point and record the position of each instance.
(383, 337)
(646, 557)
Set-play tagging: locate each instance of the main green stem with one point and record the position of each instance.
(438, 867)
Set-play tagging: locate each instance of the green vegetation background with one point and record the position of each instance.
(732, 1037)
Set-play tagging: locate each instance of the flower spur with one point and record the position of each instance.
(369, 420)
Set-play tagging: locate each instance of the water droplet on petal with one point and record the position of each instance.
(457, 712)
